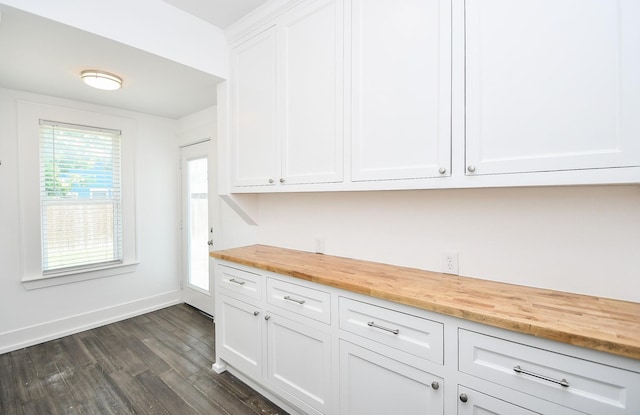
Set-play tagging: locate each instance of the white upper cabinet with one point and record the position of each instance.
(311, 89)
(287, 99)
(552, 85)
(335, 95)
(255, 155)
(401, 89)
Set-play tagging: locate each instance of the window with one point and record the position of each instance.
(80, 196)
(77, 193)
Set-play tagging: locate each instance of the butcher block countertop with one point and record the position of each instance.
(603, 324)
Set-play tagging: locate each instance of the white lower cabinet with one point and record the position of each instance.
(371, 383)
(316, 349)
(239, 335)
(471, 402)
(299, 360)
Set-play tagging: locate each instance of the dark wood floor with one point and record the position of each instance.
(157, 363)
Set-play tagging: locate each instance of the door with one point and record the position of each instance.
(471, 402)
(371, 384)
(299, 361)
(253, 111)
(551, 85)
(401, 89)
(310, 92)
(197, 225)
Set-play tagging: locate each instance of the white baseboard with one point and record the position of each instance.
(55, 329)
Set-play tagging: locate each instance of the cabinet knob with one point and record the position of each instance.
(255, 313)
(471, 168)
(464, 397)
(267, 317)
(281, 180)
(270, 181)
(435, 385)
(442, 170)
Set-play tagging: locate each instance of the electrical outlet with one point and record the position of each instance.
(319, 246)
(450, 263)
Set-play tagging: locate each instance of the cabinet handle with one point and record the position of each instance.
(236, 281)
(255, 313)
(270, 181)
(372, 324)
(442, 170)
(267, 317)
(471, 168)
(281, 180)
(562, 382)
(294, 300)
(464, 397)
(435, 385)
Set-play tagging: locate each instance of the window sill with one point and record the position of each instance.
(34, 283)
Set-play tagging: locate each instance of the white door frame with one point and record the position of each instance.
(194, 296)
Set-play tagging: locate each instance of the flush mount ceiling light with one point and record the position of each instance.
(101, 80)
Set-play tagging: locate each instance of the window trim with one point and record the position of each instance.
(28, 116)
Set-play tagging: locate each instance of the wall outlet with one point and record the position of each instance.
(450, 263)
(319, 245)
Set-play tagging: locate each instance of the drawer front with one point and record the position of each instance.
(575, 383)
(241, 282)
(305, 301)
(417, 336)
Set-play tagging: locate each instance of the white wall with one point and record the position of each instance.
(577, 239)
(27, 317)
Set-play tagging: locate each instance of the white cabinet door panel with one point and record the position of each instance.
(401, 89)
(311, 87)
(254, 141)
(471, 402)
(372, 384)
(299, 361)
(552, 85)
(240, 340)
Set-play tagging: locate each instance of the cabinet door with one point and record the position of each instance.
(253, 111)
(471, 402)
(371, 384)
(299, 361)
(239, 342)
(552, 85)
(310, 40)
(401, 89)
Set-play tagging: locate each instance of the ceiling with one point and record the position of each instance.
(220, 13)
(45, 57)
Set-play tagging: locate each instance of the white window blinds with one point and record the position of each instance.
(80, 195)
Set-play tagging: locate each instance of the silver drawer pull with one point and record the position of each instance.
(294, 300)
(236, 281)
(562, 382)
(372, 324)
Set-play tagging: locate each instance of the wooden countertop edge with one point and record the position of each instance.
(529, 327)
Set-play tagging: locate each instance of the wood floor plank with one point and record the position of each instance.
(94, 344)
(122, 357)
(164, 394)
(152, 361)
(26, 378)
(191, 394)
(142, 402)
(233, 401)
(157, 363)
(108, 394)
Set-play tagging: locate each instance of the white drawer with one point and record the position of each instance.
(239, 282)
(583, 385)
(415, 335)
(308, 302)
